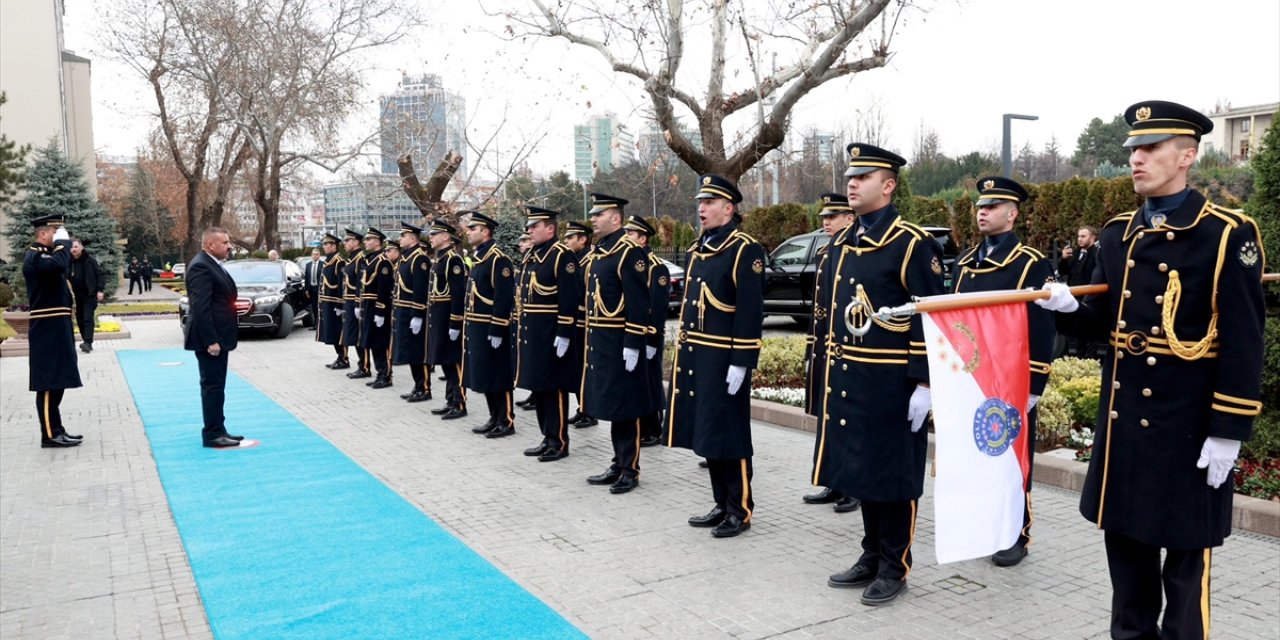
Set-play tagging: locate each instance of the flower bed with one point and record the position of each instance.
(784, 395)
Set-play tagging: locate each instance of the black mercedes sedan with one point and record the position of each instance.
(271, 296)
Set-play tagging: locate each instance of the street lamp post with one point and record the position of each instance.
(1006, 153)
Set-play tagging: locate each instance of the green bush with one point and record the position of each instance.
(772, 225)
(1265, 442)
(1082, 395)
(6, 295)
(781, 363)
(1067, 369)
(1053, 420)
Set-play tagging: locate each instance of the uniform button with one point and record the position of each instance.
(690, 325)
(1163, 267)
(828, 389)
(690, 392)
(677, 392)
(1131, 263)
(843, 422)
(1159, 299)
(1146, 393)
(826, 416)
(1115, 414)
(844, 394)
(1151, 360)
(844, 367)
(690, 349)
(677, 369)
(850, 280)
(691, 372)
(1128, 294)
(1144, 423)
(1120, 324)
(1119, 356)
(1155, 331)
(1169, 236)
(1116, 384)
(1141, 234)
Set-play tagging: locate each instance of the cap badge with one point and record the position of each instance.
(706, 180)
(1143, 113)
(826, 199)
(855, 152)
(990, 184)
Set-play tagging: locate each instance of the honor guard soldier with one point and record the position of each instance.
(836, 217)
(577, 237)
(1002, 262)
(53, 365)
(615, 385)
(717, 346)
(549, 297)
(871, 445)
(523, 246)
(1180, 380)
(444, 321)
(413, 277)
(377, 286)
(487, 348)
(352, 278)
(329, 330)
(640, 231)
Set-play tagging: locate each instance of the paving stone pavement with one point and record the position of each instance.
(89, 548)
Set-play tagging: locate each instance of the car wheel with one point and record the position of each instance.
(286, 320)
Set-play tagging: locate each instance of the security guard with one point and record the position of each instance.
(376, 288)
(413, 277)
(639, 231)
(52, 364)
(486, 329)
(549, 297)
(444, 325)
(615, 385)
(352, 278)
(1002, 262)
(1180, 380)
(329, 311)
(836, 217)
(875, 450)
(577, 237)
(716, 348)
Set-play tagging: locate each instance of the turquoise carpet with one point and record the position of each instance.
(292, 539)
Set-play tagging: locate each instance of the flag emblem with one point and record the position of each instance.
(996, 424)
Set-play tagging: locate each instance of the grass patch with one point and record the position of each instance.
(6, 331)
(128, 308)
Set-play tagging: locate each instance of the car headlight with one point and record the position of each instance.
(267, 300)
(183, 301)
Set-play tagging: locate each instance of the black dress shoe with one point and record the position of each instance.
(442, 410)
(418, 396)
(823, 497)
(71, 436)
(732, 526)
(536, 451)
(846, 504)
(84, 346)
(624, 484)
(650, 441)
(486, 427)
(576, 417)
(58, 441)
(702, 464)
(1009, 557)
(501, 431)
(444, 378)
(341, 364)
(236, 438)
(713, 518)
(883, 591)
(859, 575)
(88, 347)
(381, 383)
(551, 455)
(222, 442)
(359, 374)
(454, 413)
(610, 476)
(586, 421)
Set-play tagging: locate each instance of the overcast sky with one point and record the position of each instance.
(956, 70)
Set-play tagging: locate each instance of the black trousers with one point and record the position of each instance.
(552, 409)
(731, 486)
(889, 528)
(625, 435)
(651, 425)
(47, 408)
(213, 392)
(420, 380)
(341, 350)
(135, 280)
(85, 307)
(454, 394)
(1024, 537)
(1136, 584)
(362, 359)
(146, 279)
(381, 363)
(500, 408)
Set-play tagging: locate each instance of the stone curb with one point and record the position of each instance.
(1248, 513)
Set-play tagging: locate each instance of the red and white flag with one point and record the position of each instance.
(980, 374)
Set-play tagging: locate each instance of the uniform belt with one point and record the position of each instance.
(50, 312)
(869, 355)
(409, 304)
(607, 323)
(716, 341)
(1137, 343)
(438, 299)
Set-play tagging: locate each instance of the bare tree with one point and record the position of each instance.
(819, 41)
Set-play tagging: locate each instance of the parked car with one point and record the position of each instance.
(271, 296)
(179, 269)
(793, 267)
(677, 284)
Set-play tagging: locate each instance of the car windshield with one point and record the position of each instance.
(255, 272)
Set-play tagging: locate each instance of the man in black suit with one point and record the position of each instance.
(311, 276)
(1081, 273)
(211, 330)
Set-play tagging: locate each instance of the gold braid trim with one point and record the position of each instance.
(1184, 350)
(896, 327)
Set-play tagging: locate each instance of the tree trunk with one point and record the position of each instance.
(428, 199)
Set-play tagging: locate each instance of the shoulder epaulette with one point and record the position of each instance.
(1123, 217)
(1234, 217)
(747, 237)
(693, 247)
(915, 229)
(823, 249)
(1034, 253)
(967, 252)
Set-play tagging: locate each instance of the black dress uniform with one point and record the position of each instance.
(1184, 316)
(866, 448)
(413, 278)
(447, 306)
(53, 364)
(1002, 262)
(377, 286)
(659, 294)
(352, 278)
(490, 298)
(549, 297)
(577, 344)
(720, 324)
(329, 330)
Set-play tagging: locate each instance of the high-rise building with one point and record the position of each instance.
(819, 147)
(652, 143)
(422, 119)
(375, 200)
(599, 145)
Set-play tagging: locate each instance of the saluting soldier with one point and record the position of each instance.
(1181, 379)
(719, 338)
(640, 231)
(1002, 262)
(413, 277)
(836, 217)
(376, 292)
(352, 283)
(871, 445)
(444, 322)
(549, 296)
(577, 237)
(615, 385)
(53, 365)
(329, 314)
(486, 328)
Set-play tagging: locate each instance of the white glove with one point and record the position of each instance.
(918, 408)
(453, 334)
(630, 357)
(1218, 455)
(415, 325)
(650, 352)
(378, 320)
(1060, 298)
(735, 377)
(1031, 401)
(495, 341)
(61, 234)
(562, 346)
(359, 315)
(337, 312)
